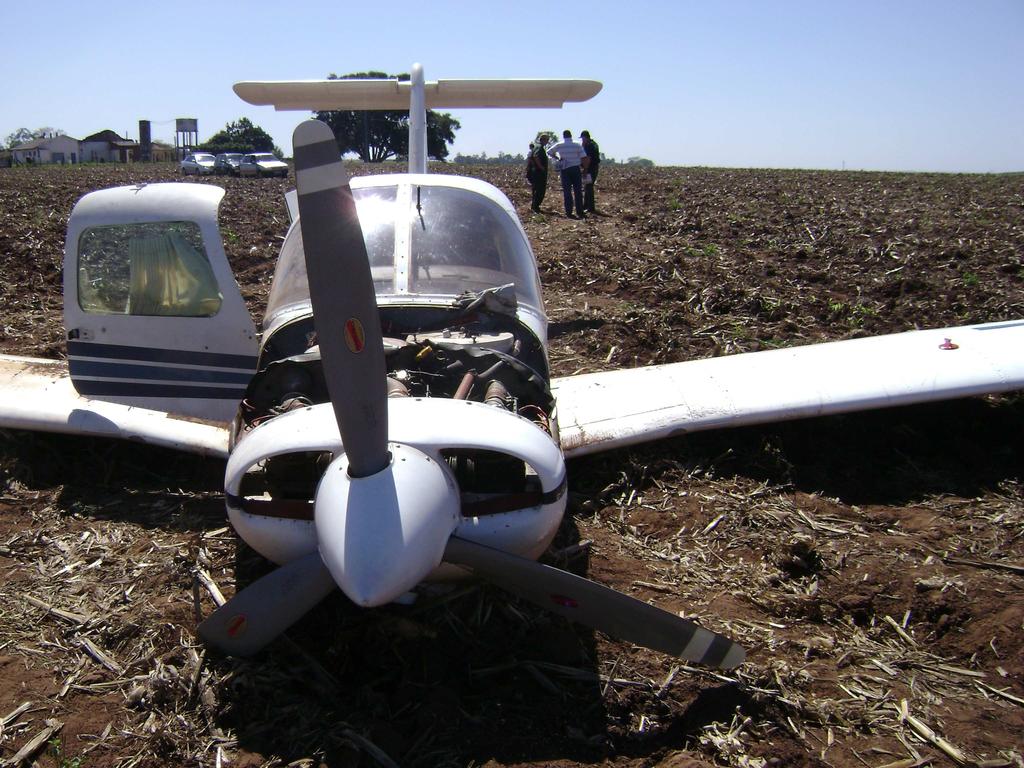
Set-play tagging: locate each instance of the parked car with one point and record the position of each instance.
(197, 163)
(227, 163)
(262, 164)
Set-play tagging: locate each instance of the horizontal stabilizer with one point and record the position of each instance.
(601, 411)
(38, 395)
(395, 94)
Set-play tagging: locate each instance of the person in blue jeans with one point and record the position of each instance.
(570, 156)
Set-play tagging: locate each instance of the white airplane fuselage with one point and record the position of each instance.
(465, 346)
(156, 320)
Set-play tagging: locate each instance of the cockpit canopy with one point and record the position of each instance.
(428, 238)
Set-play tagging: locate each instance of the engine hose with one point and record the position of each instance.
(397, 388)
(496, 395)
(465, 385)
(489, 373)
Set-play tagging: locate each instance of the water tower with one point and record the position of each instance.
(186, 135)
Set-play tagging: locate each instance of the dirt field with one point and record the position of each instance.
(872, 564)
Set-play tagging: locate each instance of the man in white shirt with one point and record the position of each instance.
(570, 155)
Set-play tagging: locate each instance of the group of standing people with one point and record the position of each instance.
(577, 165)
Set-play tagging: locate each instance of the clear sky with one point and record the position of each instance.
(922, 85)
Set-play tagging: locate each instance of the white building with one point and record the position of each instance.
(53, 149)
(108, 147)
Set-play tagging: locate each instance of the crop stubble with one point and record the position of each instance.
(871, 563)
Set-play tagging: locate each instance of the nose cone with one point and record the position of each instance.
(381, 535)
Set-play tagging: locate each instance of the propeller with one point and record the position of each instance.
(256, 615)
(594, 605)
(386, 512)
(352, 355)
(338, 270)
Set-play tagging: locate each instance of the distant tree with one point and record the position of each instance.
(441, 128)
(379, 135)
(640, 162)
(502, 158)
(241, 136)
(22, 135)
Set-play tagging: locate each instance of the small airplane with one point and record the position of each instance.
(395, 422)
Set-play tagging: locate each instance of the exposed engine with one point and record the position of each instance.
(464, 362)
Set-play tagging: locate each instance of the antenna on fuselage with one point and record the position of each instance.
(417, 96)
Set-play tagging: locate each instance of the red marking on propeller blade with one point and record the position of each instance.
(564, 601)
(237, 625)
(354, 337)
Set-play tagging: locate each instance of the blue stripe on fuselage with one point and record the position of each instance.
(187, 376)
(136, 389)
(112, 370)
(157, 355)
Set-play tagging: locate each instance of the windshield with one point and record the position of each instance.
(450, 241)
(204, 158)
(264, 158)
(462, 241)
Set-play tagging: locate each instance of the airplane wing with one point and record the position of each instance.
(612, 409)
(37, 394)
(601, 411)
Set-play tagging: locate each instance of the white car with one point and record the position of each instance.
(198, 163)
(262, 164)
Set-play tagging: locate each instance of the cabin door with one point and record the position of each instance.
(153, 315)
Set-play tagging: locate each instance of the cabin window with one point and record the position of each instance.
(461, 241)
(151, 268)
(376, 209)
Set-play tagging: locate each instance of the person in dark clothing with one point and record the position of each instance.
(594, 156)
(537, 172)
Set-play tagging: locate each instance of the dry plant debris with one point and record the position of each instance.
(871, 563)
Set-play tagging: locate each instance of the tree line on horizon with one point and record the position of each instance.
(505, 158)
(373, 136)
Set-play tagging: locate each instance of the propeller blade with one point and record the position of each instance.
(266, 608)
(343, 299)
(593, 605)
